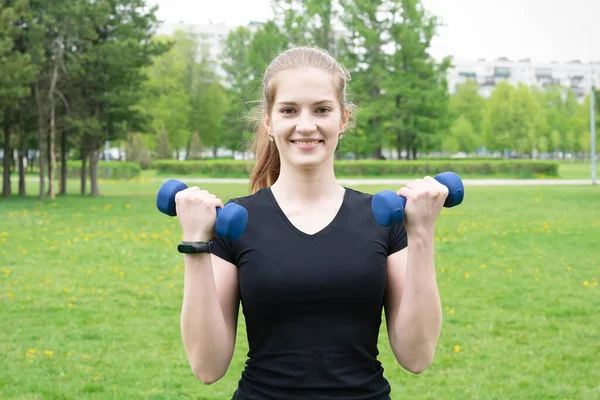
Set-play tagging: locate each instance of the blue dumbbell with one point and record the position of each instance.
(231, 219)
(388, 206)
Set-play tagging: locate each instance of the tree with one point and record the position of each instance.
(418, 87)
(16, 75)
(467, 102)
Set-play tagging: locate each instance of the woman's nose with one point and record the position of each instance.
(306, 124)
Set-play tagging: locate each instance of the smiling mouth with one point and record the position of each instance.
(307, 142)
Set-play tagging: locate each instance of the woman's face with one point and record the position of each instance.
(306, 118)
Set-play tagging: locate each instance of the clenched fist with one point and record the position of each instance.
(424, 200)
(197, 212)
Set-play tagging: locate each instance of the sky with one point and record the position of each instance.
(542, 30)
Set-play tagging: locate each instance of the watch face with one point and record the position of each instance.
(185, 248)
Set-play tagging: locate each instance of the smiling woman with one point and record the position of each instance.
(313, 269)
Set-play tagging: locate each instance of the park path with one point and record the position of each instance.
(467, 182)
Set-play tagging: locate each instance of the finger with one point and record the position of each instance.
(429, 179)
(216, 203)
(405, 192)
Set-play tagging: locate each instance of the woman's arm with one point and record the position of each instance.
(413, 307)
(209, 314)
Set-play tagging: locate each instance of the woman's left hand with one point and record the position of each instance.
(424, 201)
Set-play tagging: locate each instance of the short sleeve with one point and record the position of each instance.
(397, 239)
(224, 247)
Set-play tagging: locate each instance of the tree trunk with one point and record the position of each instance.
(83, 172)
(63, 163)
(22, 153)
(8, 156)
(41, 140)
(94, 171)
(399, 145)
(22, 157)
(414, 152)
(52, 153)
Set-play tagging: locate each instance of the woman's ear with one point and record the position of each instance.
(344, 120)
(267, 122)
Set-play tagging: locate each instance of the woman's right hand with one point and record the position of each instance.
(197, 213)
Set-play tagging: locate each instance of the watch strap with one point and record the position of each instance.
(195, 247)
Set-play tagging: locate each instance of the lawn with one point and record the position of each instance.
(91, 290)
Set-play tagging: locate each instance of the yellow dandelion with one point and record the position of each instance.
(9, 294)
(586, 283)
(569, 268)
(86, 357)
(127, 206)
(48, 352)
(121, 273)
(452, 311)
(31, 351)
(96, 378)
(69, 354)
(160, 277)
(70, 305)
(510, 271)
(467, 275)
(482, 266)
(456, 348)
(595, 284)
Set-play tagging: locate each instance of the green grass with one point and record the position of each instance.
(91, 290)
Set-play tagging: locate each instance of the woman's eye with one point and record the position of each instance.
(285, 110)
(324, 109)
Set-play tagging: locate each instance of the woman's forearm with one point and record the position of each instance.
(420, 313)
(203, 326)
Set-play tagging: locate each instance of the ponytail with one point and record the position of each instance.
(266, 169)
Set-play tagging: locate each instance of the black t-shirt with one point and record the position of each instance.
(312, 303)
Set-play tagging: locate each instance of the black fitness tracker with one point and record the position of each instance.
(194, 247)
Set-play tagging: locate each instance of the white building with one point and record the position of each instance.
(488, 73)
(211, 36)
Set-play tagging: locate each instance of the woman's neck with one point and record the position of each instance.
(306, 186)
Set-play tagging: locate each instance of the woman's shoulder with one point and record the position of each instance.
(356, 195)
(251, 199)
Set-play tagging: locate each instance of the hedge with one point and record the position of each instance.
(106, 170)
(372, 168)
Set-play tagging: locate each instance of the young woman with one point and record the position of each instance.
(313, 270)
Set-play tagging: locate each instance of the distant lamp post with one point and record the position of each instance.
(592, 123)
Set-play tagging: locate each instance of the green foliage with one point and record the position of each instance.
(107, 170)
(163, 147)
(374, 168)
(195, 152)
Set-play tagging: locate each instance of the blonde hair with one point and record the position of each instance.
(267, 166)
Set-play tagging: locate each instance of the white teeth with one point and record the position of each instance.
(307, 143)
